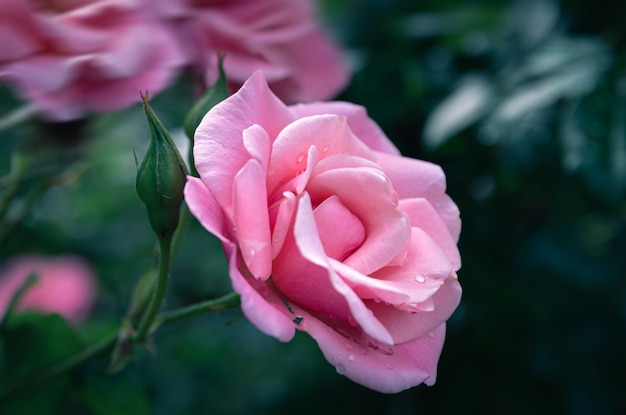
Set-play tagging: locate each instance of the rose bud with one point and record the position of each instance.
(161, 177)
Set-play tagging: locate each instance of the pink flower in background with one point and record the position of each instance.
(281, 37)
(329, 230)
(72, 57)
(66, 285)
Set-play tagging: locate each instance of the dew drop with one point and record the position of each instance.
(348, 346)
(420, 278)
(388, 366)
(251, 252)
(352, 321)
(300, 158)
(351, 358)
(431, 335)
(340, 369)
(325, 149)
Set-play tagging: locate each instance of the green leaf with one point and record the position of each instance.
(32, 344)
(468, 103)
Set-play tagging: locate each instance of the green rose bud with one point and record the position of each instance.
(161, 177)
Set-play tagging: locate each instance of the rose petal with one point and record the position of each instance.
(311, 249)
(251, 219)
(340, 231)
(408, 365)
(301, 63)
(303, 281)
(420, 179)
(408, 287)
(424, 216)
(386, 227)
(422, 273)
(361, 125)
(412, 177)
(65, 284)
(285, 210)
(204, 207)
(219, 150)
(259, 303)
(18, 30)
(328, 133)
(299, 182)
(405, 326)
(257, 143)
(449, 213)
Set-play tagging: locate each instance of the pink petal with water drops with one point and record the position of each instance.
(219, 149)
(405, 326)
(328, 133)
(423, 215)
(361, 125)
(422, 273)
(405, 366)
(259, 303)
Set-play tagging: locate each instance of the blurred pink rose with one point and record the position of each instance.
(72, 57)
(66, 285)
(281, 37)
(329, 230)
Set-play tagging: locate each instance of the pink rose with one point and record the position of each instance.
(66, 285)
(281, 37)
(329, 230)
(71, 57)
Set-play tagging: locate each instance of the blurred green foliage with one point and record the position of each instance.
(522, 103)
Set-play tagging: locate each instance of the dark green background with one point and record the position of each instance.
(538, 170)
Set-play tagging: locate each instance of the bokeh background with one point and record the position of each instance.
(523, 103)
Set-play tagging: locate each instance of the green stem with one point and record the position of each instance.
(224, 302)
(227, 301)
(159, 290)
(183, 223)
(221, 303)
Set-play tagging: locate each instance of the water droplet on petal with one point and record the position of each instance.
(351, 358)
(420, 278)
(348, 346)
(325, 149)
(352, 321)
(431, 334)
(300, 158)
(340, 369)
(388, 366)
